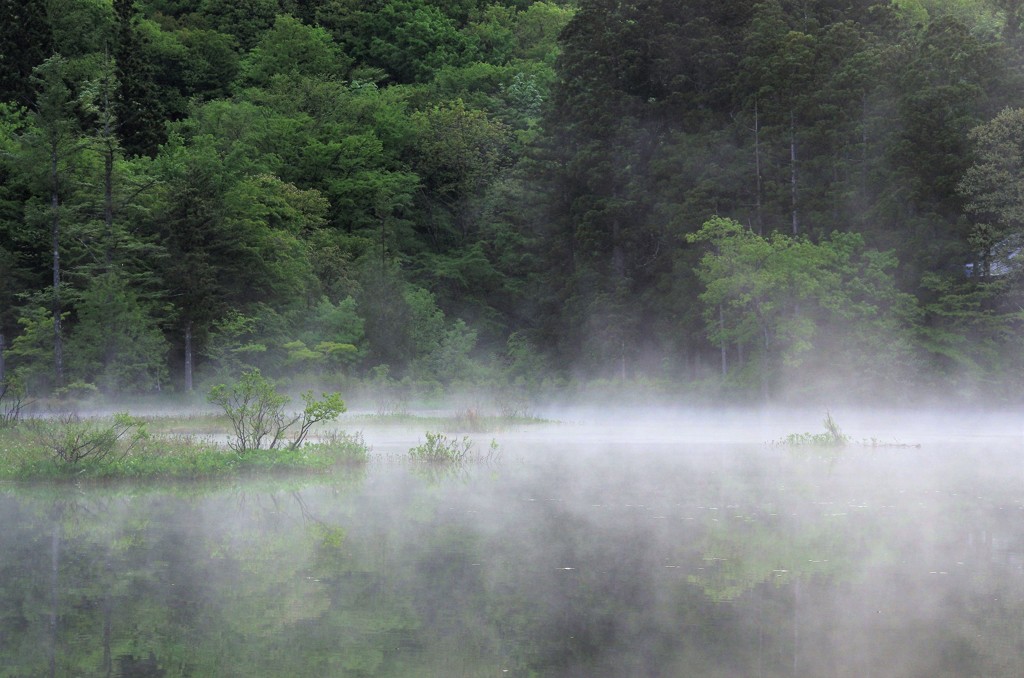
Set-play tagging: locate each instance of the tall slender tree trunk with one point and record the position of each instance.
(109, 348)
(108, 203)
(58, 343)
(721, 329)
(188, 356)
(757, 169)
(3, 347)
(864, 147)
(618, 254)
(792, 172)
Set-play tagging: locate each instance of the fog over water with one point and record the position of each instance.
(646, 543)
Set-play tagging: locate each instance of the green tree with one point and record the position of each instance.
(785, 302)
(54, 141)
(292, 49)
(993, 187)
(116, 342)
(246, 20)
(138, 106)
(26, 40)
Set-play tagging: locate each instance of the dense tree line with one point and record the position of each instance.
(701, 193)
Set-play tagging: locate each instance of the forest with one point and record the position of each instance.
(785, 199)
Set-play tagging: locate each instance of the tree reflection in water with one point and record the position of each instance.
(712, 561)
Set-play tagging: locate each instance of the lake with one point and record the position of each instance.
(584, 550)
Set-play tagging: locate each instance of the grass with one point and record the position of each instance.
(26, 453)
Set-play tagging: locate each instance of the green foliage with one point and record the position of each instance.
(31, 352)
(72, 439)
(256, 411)
(328, 408)
(258, 417)
(412, 183)
(116, 342)
(777, 295)
(992, 186)
(293, 49)
(232, 345)
(972, 334)
(439, 449)
(410, 39)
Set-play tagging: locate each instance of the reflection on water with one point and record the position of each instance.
(560, 561)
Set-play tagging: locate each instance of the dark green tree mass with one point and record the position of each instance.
(774, 198)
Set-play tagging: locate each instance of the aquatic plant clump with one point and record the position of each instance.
(440, 449)
(831, 437)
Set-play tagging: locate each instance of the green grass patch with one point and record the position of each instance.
(26, 454)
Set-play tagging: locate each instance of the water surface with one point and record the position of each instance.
(573, 556)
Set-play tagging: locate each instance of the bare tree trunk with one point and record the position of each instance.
(58, 343)
(188, 356)
(864, 147)
(108, 206)
(757, 168)
(792, 172)
(3, 347)
(721, 329)
(108, 172)
(618, 255)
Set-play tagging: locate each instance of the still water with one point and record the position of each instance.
(568, 557)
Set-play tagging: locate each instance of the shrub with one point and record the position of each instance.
(440, 449)
(73, 439)
(257, 414)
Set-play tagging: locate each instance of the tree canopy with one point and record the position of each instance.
(715, 197)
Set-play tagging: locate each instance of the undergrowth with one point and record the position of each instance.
(832, 436)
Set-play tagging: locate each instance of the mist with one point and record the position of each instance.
(730, 292)
(646, 541)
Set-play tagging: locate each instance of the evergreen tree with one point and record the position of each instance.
(25, 42)
(139, 111)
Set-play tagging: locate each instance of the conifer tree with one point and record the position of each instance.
(138, 102)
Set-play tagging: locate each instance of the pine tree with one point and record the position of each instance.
(138, 101)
